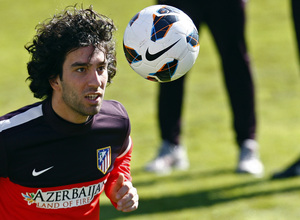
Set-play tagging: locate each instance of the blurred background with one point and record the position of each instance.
(209, 189)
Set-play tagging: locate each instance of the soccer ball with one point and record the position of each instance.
(161, 43)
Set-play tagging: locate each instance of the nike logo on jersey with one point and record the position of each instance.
(37, 173)
(154, 56)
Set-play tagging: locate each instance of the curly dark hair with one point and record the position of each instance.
(65, 32)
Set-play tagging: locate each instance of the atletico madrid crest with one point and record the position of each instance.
(104, 159)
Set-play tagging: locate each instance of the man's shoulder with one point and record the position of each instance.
(20, 116)
(113, 108)
(20, 111)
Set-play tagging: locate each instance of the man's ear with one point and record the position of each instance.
(55, 83)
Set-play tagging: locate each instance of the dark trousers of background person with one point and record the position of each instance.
(226, 21)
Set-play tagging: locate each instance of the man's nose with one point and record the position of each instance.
(95, 79)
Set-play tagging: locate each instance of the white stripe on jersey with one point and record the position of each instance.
(127, 149)
(21, 118)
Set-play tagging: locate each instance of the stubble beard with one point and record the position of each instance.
(72, 100)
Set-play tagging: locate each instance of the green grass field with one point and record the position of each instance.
(209, 189)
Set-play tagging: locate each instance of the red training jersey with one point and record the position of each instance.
(53, 169)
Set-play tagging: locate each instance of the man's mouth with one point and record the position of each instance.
(92, 97)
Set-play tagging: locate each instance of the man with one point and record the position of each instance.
(58, 155)
(226, 21)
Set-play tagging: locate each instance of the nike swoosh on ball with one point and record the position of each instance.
(154, 56)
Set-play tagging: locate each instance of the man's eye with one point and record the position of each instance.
(102, 68)
(80, 70)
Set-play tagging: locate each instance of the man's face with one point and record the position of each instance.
(80, 92)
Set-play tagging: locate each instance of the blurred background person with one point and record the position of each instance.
(226, 21)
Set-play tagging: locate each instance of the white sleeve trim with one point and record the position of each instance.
(21, 118)
(127, 149)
